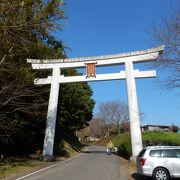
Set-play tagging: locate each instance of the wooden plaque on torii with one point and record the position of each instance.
(90, 70)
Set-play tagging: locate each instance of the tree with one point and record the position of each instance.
(113, 113)
(74, 111)
(83, 133)
(22, 111)
(26, 27)
(26, 31)
(97, 128)
(75, 103)
(168, 34)
(174, 128)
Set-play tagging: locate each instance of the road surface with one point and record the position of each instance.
(95, 164)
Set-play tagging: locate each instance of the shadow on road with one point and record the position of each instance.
(85, 145)
(100, 152)
(137, 176)
(96, 152)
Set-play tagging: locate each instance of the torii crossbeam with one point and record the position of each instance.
(129, 74)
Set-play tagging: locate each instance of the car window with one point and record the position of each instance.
(141, 154)
(171, 153)
(155, 153)
(177, 151)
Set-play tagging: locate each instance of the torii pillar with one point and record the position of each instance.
(51, 115)
(136, 137)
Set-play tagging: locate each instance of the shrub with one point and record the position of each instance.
(123, 141)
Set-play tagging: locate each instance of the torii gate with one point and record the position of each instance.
(90, 63)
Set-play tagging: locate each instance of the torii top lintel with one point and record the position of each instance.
(136, 56)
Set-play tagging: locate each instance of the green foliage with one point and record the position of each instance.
(74, 111)
(22, 108)
(66, 142)
(26, 28)
(12, 166)
(26, 32)
(123, 142)
(75, 104)
(27, 25)
(162, 138)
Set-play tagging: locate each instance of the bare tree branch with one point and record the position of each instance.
(4, 57)
(168, 33)
(113, 113)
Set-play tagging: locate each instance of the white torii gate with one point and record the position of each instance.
(129, 74)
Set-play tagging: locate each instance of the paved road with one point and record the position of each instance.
(95, 164)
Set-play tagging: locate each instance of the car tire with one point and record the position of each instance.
(161, 174)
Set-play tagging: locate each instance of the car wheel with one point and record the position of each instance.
(161, 174)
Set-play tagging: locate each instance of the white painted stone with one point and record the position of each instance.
(136, 138)
(51, 115)
(99, 58)
(102, 62)
(99, 77)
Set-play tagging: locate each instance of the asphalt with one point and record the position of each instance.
(95, 164)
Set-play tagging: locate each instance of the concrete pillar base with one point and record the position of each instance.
(133, 159)
(48, 158)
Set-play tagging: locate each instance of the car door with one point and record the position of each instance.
(175, 161)
(172, 161)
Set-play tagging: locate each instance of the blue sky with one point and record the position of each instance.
(102, 27)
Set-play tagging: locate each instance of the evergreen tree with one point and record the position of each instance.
(26, 31)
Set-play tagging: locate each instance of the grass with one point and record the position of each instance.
(164, 138)
(131, 169)
(123, 141)
(10, 167)
(13, 166)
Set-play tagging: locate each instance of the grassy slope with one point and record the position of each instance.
(123, 142)
(16, 165)
(166, 138)
(10, 167)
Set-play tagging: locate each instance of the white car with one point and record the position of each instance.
(160, 162)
